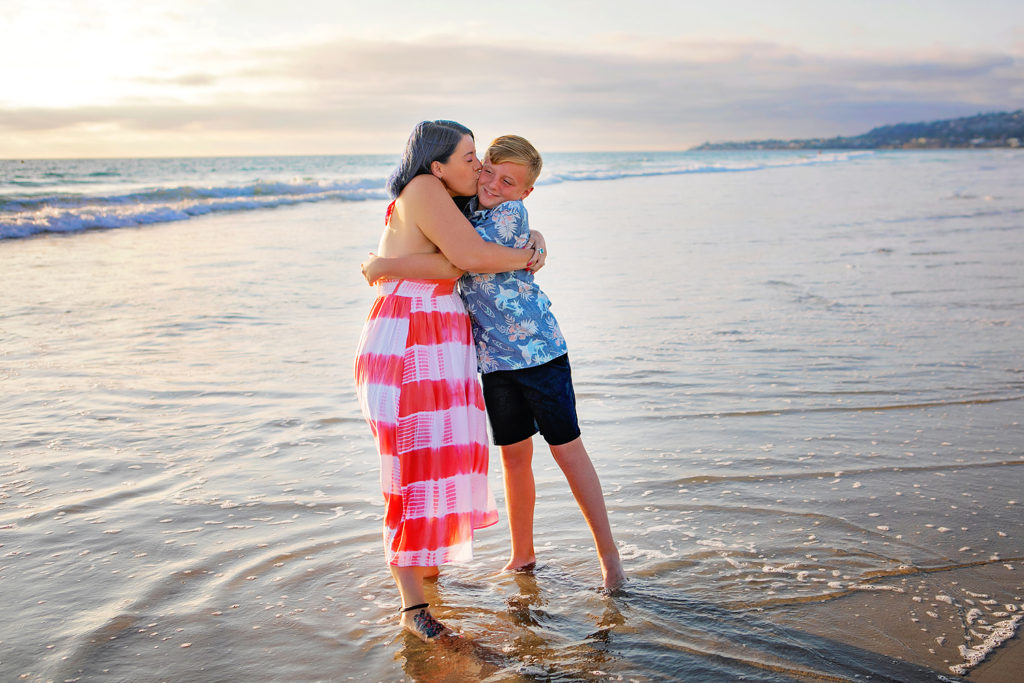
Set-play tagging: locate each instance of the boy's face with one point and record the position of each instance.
(501, 183)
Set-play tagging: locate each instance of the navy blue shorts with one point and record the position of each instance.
(522, 402)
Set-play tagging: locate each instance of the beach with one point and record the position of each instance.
(801, 384)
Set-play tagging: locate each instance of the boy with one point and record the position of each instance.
(521, 355)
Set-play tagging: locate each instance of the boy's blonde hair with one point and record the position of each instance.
(517, 150)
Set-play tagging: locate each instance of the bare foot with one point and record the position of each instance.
(422, 624)
(614, 576)
(614, 582)
(516, 565)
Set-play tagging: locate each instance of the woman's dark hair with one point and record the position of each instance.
(430, 141)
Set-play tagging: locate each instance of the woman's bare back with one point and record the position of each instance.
(402, 235)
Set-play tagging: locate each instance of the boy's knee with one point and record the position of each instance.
(574, 448)
(517, 454)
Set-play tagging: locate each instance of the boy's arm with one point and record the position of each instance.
(433, 266)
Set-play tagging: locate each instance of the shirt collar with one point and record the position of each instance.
(473, 207)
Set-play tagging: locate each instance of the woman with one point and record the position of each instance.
(416, 371)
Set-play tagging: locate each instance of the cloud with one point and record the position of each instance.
(184, 80)
(667, 83)
(619, 94)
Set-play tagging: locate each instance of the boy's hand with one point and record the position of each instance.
(538, 243)
(371, 270)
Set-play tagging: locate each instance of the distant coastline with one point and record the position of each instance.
(1002, 129)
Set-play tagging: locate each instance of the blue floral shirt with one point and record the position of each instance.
(512, 325)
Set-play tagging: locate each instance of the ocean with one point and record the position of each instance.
(800, 377)
(72, 195)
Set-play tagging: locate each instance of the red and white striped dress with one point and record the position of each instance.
(416, 378)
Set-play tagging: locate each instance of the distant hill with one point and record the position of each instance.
(1005, 129)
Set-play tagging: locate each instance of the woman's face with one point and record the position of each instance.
(459, 174)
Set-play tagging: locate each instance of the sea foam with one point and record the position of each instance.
(69, 196)
(65, 212)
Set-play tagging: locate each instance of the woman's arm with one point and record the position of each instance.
(432, 266)
(442, 223)
(537, 242)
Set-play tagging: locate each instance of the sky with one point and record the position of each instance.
(120, 78)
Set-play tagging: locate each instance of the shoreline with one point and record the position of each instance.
(919, 613)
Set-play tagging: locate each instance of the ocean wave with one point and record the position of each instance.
(695, 164)
(75, 196)
(68, 212)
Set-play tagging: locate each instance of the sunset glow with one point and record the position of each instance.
(113, 78)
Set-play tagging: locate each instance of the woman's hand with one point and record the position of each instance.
(371, 269)
(538, 243)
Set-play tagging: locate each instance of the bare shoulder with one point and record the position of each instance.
(424, 187)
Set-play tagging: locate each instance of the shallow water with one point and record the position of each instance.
(802, 388)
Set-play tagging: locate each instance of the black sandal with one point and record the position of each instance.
(427, 626)
(419, 606)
